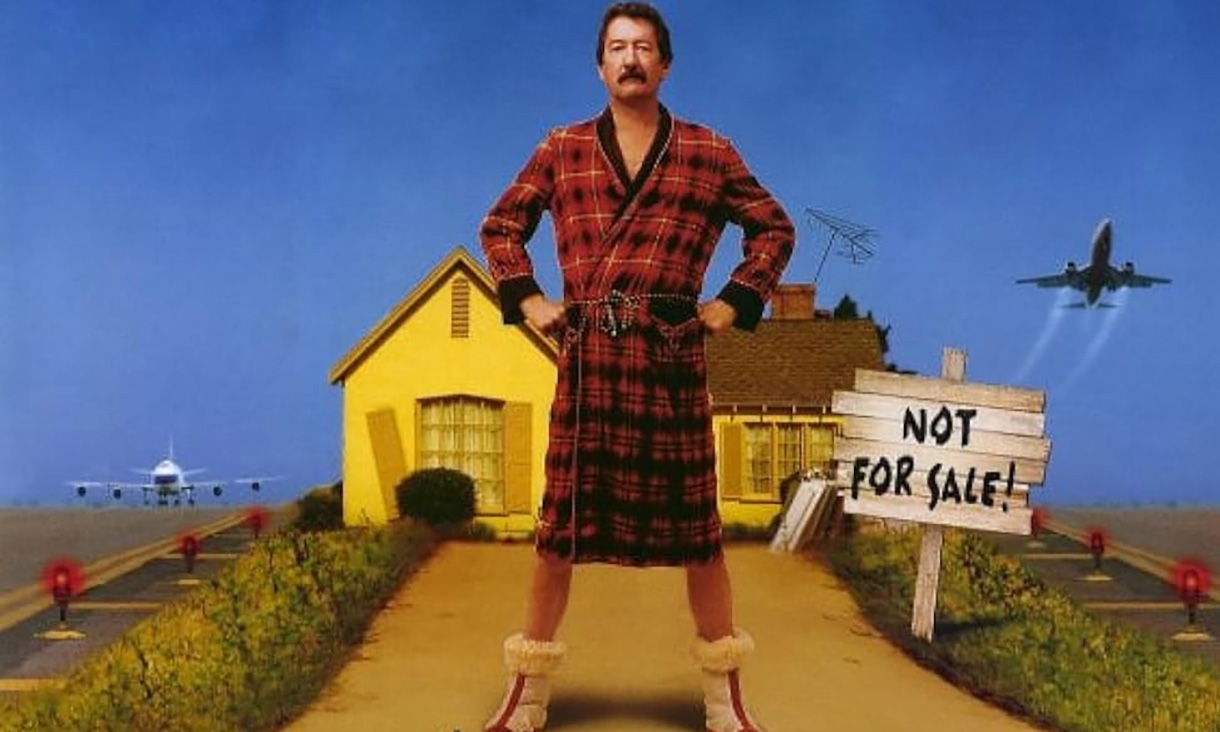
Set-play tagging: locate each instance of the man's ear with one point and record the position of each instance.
(601, 74)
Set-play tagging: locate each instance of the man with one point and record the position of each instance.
(638, 199)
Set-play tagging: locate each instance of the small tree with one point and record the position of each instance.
(437, 496)
(321, 509)
(847, 309)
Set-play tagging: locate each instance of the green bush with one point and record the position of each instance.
(249, 650)
(321, 509)
(437, 496)
(1008, 636)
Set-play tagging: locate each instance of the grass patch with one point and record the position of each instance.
(1007, 636)
(738, 531)
(249, 650)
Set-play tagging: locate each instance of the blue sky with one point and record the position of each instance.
(204, 205)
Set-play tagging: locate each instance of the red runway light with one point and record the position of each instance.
(1038, 520)
(63, 577)
(256, 519)
(1191, 579)
(188, 547)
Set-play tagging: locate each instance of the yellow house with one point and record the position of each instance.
(771, 398)
(441, 381)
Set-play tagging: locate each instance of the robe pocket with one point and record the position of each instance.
(674, 342)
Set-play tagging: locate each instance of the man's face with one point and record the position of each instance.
(631, 66)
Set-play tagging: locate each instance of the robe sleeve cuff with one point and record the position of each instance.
(512, 292)
(746, 302)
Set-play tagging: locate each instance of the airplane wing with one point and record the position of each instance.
(1059, 280)
(104, 484)
(1139, 280)
(1063, 279)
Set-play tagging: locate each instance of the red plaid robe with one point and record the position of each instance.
(630, 466)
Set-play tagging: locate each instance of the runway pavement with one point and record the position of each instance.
(122, 589)
(1138, 592)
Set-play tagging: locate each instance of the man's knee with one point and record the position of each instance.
(711, 568)
(554, 565)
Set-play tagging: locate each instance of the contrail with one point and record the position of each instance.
(1053, 318)
(1109, 320)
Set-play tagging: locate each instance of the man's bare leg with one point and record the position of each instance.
(711, 598)
(718, 647)
(548, 598)
(534, 654)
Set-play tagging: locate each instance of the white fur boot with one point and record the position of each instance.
(722, 701)
(530, 662)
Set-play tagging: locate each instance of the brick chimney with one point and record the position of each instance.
(793, 302)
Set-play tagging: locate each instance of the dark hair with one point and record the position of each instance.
(639, 11)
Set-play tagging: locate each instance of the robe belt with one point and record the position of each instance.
(615, 312)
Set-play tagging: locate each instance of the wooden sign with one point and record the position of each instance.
(940, 452)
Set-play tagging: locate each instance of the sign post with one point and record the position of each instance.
(940, 452)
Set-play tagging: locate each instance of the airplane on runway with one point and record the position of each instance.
(1098, 275)
(167, 480)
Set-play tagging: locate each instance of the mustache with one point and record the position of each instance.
(633, 72)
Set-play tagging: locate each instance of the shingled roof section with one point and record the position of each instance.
(790, 362)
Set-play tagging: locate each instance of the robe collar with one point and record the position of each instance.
(609, 143)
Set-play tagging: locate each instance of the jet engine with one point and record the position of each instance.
(1129, 268)
(1071, 268)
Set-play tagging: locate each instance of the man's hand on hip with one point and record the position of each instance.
(542, 313)
(717, 315)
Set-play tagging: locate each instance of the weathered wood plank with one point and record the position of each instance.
(918, 482)
(848, 449)
(987, 419)
(911, 508)
(993, 443)
(941, 390)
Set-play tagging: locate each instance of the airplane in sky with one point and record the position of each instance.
(168, 481)
(1098, 275)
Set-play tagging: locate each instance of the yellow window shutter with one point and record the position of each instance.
(387, 450)
(732, 447)
(518, 457)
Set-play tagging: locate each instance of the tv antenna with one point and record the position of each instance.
(855, 241)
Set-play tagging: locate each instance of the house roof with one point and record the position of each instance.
(790, 362)
(458, 259)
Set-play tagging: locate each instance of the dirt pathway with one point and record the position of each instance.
(433, 662)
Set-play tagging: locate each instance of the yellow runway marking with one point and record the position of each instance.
(60, 634)
(114, 605)
(29, 684)
(202, 555)
(1050, 555)
(1149, 605)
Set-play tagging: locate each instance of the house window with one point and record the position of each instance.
(460, 308)
(788, 452)
(466, 434)
(759, 480)
(819, 446)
